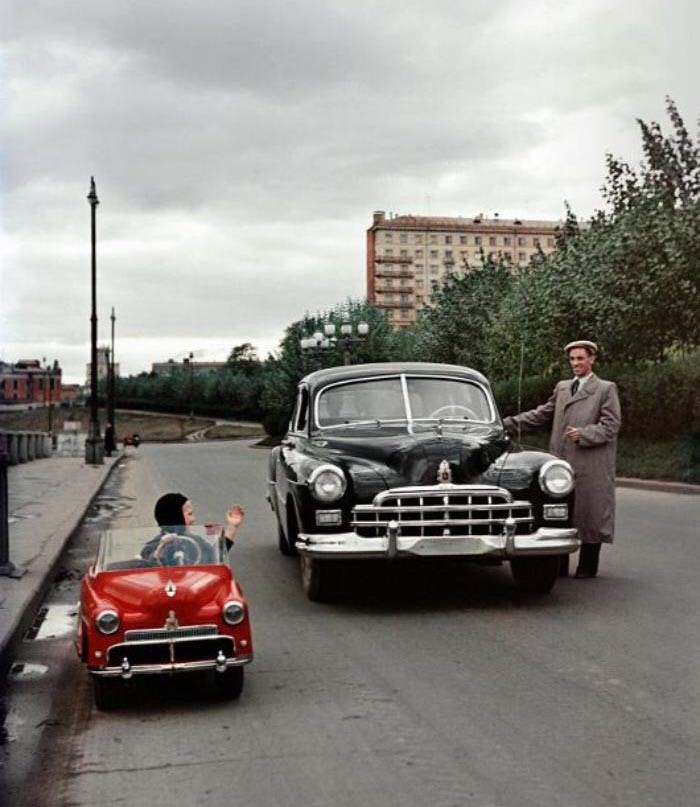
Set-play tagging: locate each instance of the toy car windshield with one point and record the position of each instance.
(147, 547)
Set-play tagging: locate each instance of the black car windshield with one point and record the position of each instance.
(382, 400)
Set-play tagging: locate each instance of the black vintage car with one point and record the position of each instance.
(411, 460)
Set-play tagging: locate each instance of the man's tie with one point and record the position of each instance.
(575, 386)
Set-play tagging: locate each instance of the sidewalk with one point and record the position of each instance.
(47, 501)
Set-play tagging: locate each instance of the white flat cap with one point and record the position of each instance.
(582, 343)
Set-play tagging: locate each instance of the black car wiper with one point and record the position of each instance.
(352, 423)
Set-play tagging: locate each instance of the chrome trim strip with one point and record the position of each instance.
(148, 635)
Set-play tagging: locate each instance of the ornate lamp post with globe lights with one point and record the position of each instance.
(94, 448)
(319, 341)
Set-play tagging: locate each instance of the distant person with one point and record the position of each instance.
(585, 418)
(174, 513)
(110, 442)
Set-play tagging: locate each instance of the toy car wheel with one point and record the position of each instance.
(106, 692)
(318, 579)
(535, 575)
(229, 684)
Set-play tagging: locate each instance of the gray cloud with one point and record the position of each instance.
(240, 148)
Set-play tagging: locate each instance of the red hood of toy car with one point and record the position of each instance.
(152, 589)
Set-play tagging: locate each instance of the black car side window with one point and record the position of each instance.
(302, 414)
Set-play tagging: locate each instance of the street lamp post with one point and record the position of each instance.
(319, 342)
(94, 448)
(110, 385)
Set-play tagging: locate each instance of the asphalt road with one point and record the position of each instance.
(425, 685)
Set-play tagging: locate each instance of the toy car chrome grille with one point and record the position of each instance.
(170, 652)
(160, 634)
(450, 510)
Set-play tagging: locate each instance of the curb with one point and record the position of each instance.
(658, 484)
(20, 622)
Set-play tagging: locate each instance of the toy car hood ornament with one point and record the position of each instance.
(171, 622)
(170, 589)
(444, 474)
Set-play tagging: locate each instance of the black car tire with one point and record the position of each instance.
(107, 691)
(286, 542)
(318, 578)
(535, 575)
(229, 684)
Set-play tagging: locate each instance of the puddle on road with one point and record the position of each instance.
(53, 622)
(20, 517)
(24, 671)
(10, 723)
(104, 507)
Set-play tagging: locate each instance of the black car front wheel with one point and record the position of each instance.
(318, 578)
(535, 575)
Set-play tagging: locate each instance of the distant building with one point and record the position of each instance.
(26, 381)
(102, 367)
(171, 367)
(407, 256)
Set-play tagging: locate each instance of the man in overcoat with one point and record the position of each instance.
(584, 414)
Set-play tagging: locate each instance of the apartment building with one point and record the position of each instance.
(407, 256)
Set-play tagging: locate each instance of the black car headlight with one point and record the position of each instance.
(233, 612)
(107, 622)
(327, 483)
(557, 478)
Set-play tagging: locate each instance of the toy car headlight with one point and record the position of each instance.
(233, 612)
(327, 483)
(107, 622)
(557, 478)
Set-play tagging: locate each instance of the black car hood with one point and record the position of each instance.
(401, 459)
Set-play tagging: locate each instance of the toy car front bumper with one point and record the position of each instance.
(505, 545)
(127, 670)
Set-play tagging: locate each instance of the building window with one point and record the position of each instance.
(433, 238)
(403, 237)
(448, 239)
(506, 240)
(419, 266)
(433, 254)
(419, 281)
(492, 241)
(390, 313)
(388, 236)
(522, 241)
(550, 242)
(419, 253)
(521, 256)
(433, 269)
(419, 238)
(536, 242)
(448, 253)
(477, 239)
(404, 253)
(463, 239)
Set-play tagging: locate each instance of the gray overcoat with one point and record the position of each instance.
(595, 412)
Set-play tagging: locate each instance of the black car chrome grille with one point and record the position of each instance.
(449, 510)
(179, 650)
(159, 634)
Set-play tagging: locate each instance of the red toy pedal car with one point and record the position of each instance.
(172, 611)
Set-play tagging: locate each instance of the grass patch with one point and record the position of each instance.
(674, 460)
(226, 431)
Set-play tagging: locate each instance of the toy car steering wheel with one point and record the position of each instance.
(189, 550)
(454, 408)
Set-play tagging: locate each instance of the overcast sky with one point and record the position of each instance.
(239, 148)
